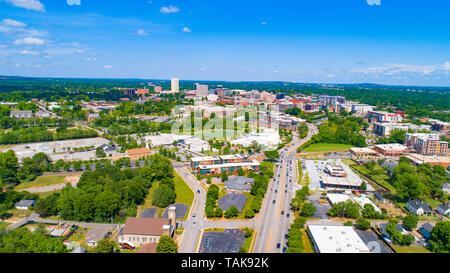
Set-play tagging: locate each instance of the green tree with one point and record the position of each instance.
(166, 245)
(105, 246)
(410, 221)
(308, 210)
(363, 223)
(440, 237)
(233, 211)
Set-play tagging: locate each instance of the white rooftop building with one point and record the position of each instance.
(268, 138)
(336, 239)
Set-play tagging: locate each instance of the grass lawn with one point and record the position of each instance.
(378, 174)
(43, 195)
(215, 229)
(433, 202)
(307, 246)
(18, 213)
(410, 249)
(246, 206)
(184, 195)
(248, 241)
(4, 147)
(324, 147)
(42, 181)
(4, 225)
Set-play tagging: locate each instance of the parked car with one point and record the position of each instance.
(282, 212)
(278, 245)
(273, 202)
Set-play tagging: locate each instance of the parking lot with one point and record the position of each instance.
(315, 169)
(228, 241)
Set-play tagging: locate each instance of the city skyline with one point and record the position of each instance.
(402, 43)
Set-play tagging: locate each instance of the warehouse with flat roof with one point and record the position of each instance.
(336, 239)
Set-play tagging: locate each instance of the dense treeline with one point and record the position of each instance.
(109, 193)
(21, 240)
(415, 101)
(9, 198)
(126, 126)
(423, 181)
(40, 134)
(163, 107)
(259, 187)
(342, 131)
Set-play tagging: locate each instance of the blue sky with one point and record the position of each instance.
(346, 41)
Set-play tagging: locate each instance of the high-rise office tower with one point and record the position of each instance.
(175, 85)
(201, 90)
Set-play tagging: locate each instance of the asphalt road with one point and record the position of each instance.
(272, 223)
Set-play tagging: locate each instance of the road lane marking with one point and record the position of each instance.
(268, 242)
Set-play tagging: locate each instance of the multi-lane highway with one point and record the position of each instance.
(275, 217)
(271, 223)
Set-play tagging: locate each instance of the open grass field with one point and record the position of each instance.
(184, 193)
(326, 147)
(42, 181)
(377, 175)
(411, 249)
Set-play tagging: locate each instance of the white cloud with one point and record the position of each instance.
(29, 41)
(142, 32)
(74, 2)
(185, 29)
(107, 67)
(203, 69)
(89, 59)
(29, 52)
(63, 51)
(263, 23)
(169, 9)
(35, 5)
(13, 23)
(395, 69)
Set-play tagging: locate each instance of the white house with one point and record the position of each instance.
(444, 209)
(418, 207)
(25, 204)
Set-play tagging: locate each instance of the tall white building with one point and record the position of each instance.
(175, 85)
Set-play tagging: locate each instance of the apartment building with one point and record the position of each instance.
(223, 164)
(21, 114)
(141, 91)
(393, 149)
(129, 92)
(382, 116)
(442, 127)
(384, 129)
(361, 109)
(426, 144)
